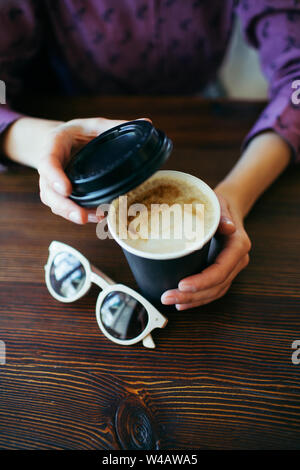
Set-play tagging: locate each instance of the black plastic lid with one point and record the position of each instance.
(116, 162)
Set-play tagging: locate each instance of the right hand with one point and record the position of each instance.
(55, 187)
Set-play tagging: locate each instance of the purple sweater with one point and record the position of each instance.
(147, 47)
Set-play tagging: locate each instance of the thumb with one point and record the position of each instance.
(226, 225)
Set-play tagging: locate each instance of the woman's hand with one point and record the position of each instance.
(61, 142)
(214, 281)
(47, 146)
(265, 157)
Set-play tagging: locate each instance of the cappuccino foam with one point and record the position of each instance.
(161, 210)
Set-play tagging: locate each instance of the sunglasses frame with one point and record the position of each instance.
(94, 275)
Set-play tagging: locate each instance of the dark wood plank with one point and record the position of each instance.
(221, 376)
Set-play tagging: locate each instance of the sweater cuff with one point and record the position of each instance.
(283, 117)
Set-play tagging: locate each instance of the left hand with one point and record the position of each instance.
(214, 281)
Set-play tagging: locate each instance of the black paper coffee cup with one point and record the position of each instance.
(157, 272)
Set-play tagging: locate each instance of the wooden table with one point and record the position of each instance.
(221, 376)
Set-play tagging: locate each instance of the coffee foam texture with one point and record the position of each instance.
(182, 189)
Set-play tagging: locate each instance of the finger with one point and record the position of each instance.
(237, 245)
(57, 150)
(90, 127)
(94, 216)
(55, 154)
(200, 302)
(226, 225)
(85, 129)
(65, 207)
(187, 306)
(52, 171)
(175, 296)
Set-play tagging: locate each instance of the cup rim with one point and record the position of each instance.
(176, 254)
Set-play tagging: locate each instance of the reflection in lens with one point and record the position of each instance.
(67, 275)
(122, 316)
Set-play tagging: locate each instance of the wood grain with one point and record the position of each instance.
(221, 376)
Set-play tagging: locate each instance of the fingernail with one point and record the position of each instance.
(178, 307)
(168, 299)
(59, 188)
(186, 287)
(75, 217)
(93, 218)
(226, 220)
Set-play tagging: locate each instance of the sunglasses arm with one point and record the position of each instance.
(148, 342)
(99, 278)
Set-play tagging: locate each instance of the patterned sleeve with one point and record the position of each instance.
(273, 28)
(20, 38)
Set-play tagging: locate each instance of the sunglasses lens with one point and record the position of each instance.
(123, 316)
(67, 275)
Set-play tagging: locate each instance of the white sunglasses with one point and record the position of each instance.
(123, 315)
